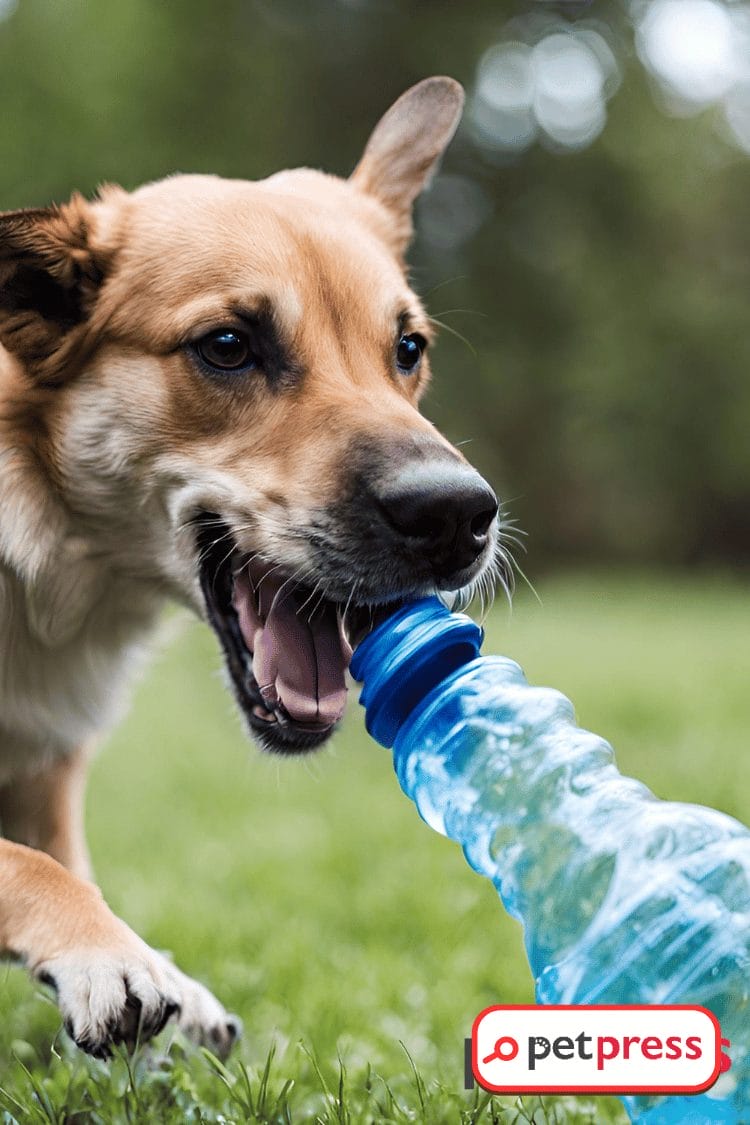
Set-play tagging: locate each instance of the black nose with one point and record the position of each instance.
(444, 511)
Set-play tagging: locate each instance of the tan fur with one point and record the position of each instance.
(43, 809)
(109, 440)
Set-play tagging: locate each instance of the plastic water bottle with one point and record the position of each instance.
(624, 898)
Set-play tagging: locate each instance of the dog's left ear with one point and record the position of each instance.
(49, 278)
(406, 145)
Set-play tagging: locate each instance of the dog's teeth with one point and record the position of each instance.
(262, 713)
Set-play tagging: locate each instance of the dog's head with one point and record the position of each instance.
(222, 379)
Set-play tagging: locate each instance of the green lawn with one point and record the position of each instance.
(311, 898)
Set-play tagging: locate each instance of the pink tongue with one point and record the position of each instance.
(298, 663)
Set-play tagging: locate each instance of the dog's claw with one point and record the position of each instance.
(224, 1036)
(108, 999)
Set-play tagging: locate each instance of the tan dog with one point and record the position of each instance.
(208, 392)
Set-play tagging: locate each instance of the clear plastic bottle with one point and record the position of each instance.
(624, 898)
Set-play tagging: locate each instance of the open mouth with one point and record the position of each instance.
(287, 648)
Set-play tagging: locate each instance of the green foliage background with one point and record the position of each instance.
(607, 289)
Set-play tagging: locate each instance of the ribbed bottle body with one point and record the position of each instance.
(623, 898)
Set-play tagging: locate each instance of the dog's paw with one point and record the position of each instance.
(201, 1017)
(111, 996)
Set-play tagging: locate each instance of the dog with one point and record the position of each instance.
(208, 393)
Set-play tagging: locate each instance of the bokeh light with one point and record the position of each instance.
(501, 111)
(548, 80)
(553, 86)
(698, 53)
(688, 46)
(569, 90)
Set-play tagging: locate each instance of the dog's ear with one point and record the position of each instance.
(49, 279)
(406, 145)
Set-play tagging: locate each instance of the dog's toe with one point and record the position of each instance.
(222, 1036)
(126, 994)
(202, 1018)
(151, 999)
(107, 999)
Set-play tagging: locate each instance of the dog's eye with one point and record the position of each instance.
(409, 352)
(226, 350)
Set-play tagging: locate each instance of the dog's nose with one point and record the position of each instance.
(444, 511)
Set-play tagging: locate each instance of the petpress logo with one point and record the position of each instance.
(596, 1049)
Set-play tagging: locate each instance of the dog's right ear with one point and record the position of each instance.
(49, 279)
(405, 147)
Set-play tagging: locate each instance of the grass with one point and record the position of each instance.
(355, 943)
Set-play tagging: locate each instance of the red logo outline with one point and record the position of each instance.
(604, 1090)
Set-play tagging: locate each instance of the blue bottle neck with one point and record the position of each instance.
(406, 657)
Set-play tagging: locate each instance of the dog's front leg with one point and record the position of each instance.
(110, 985)
(44, 809)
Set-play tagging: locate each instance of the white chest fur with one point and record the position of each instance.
(55, 697)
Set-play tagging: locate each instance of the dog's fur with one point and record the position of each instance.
(112, 439)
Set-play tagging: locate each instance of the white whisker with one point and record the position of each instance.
(349, 602)
(311, 595)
